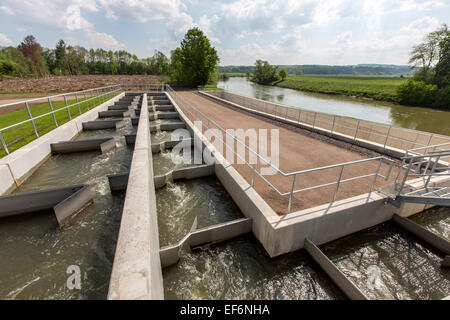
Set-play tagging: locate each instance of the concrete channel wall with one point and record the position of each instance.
(16, 167)
(136, 273)
(321, 224)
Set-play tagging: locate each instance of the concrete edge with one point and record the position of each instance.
(136, 272)
(339, 278)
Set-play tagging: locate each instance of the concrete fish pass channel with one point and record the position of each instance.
(104, 195)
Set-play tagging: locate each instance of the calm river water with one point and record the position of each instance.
(423, 119)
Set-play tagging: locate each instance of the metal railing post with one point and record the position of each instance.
(67, 107)
(374, 181)
(334, 121)
(357, 128)
(299, 113)
(387, 137)
(53, 112)
(5, 147)
(32, 120)
(314, 122)
(292, 193)
(338, 184)
(438, 158)
(429, 141)
(78, 103)
(85, 99)
(411, 160)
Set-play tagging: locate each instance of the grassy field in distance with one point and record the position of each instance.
(374, 87)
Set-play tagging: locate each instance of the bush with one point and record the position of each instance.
(417, 93)
(442, 98)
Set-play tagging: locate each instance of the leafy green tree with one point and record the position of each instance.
(264, 73)
(283, 74)
(195, 62)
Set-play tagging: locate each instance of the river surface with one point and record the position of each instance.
(423, 119)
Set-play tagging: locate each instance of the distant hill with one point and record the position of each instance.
(359, 69)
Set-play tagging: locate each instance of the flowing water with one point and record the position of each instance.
(423, 119)
(386, 262)
(35, 253)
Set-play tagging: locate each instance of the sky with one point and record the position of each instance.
(333, 32)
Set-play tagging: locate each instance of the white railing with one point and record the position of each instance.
(381, 134)
(83, 98)
(208, 123)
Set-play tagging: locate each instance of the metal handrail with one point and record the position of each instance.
(426, 165)
(100, 93)
(294, 175)
(357, 128)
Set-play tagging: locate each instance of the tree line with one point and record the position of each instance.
(362, 69)
(430, 86)
(30, 59)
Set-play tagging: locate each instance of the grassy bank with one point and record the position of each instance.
(374, 87)
(21, 135)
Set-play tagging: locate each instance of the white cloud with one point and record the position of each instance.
(52, 15)
(7, 10)
(4, 40)
(141, 11)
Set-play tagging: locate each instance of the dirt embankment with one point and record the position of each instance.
(73, 83)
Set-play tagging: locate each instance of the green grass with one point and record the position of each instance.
(374, 87)
(231, 75)
(22, 134)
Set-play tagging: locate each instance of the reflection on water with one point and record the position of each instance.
(386, 262)
(424, 119)
(35, 253)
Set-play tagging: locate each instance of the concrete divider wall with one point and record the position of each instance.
(136, 272)
(16, 167)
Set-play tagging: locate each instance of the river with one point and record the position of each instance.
(423, 119)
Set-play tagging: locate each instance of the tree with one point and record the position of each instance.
(264, 73)
(283, 74)
(195, 62)
(31, 50)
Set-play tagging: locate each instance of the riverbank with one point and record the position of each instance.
(418, 118)
(380, 88)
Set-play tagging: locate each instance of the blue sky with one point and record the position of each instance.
(335, 32)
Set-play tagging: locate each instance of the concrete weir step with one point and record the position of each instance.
(170, 255)
(163, 115)
(104, 124)
(114, 114)
(125, 107)
(65, 202)
(168, 126)
(104, 145)
(118, 182)
(130, 139)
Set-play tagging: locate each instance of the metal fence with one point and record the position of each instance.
(294, 177)
(26, 120)
(381, 134)
(143, 87)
